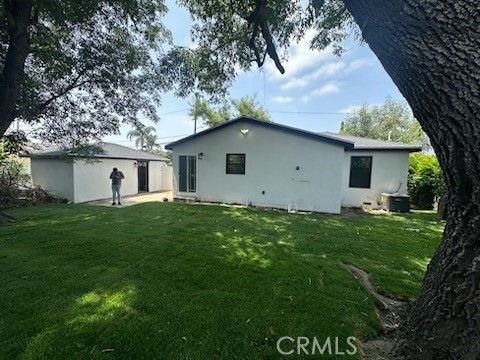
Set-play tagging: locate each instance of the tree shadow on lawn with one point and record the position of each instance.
(177, 281)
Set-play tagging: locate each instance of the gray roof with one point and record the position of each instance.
(350, 143)
(108, 151)
(268, 124)
(361, 143)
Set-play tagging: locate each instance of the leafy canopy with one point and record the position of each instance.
(241, 33)
(392, 120)
(94, 64)
(212, 116)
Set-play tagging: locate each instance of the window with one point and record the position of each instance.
(360, 172)
(236, 164)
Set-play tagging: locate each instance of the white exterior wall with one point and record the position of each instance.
(92, 179)
(55, 176)
(389, 171)
(159, 176)
(271, 160)
(154, 176)
(167, 177)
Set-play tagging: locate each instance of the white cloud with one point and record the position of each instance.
(305, 98)
(358, 64)
(328, 69)
(295, 83)
(325, 70)
(329, 88)
(299, 57)
(282, 99)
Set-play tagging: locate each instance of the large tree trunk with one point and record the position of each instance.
(17, 13)
(431, 49)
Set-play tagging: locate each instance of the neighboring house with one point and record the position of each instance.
(252, 162)
(69, 175)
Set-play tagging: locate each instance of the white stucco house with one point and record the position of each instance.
(69, 175)
(252, 162)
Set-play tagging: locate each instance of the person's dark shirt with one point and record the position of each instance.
(116, 177)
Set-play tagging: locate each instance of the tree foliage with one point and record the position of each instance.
(392, 120)
(144, 137)
(93, 64)
(425, 180)
(212, 116)
(244, 33)
(12, 144)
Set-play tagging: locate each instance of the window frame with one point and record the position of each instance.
(227, 172)
(188, 190)
(369, 173)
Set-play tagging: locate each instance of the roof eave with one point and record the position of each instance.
(58, 157)
(370, 148)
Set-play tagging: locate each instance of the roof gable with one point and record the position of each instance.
(271, 125)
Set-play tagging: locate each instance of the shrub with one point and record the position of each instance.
(425, 180)
(12, 179)
(16, 189)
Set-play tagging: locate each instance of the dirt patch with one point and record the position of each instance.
(389, 312)
(352, 212)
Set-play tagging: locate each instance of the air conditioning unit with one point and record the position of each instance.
(395, 202)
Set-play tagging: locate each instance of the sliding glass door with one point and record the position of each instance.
(187, 173)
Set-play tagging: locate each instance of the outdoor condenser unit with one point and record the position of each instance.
(395, 202)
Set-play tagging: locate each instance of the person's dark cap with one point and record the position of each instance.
(115, 169)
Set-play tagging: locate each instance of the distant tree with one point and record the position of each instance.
(425, 180)
(249, 106)
(163, 153)
(151, 142)
(392, 120)
(143, 137)
(212, 116)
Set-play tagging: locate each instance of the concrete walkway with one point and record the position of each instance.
(137, 199)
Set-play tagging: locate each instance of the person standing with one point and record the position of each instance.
(116, 177)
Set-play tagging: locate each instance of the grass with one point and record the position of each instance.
(176, 281)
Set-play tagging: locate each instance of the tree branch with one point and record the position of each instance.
(7, 5)
(257, 19)
(67, 89)
(75, 84)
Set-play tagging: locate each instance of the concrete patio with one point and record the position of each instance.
(137, 199)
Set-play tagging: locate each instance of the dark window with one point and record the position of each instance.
(236, 164)
(187, 171)
(182, 172)
(360, 171)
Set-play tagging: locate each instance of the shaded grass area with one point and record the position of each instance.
(176, 281)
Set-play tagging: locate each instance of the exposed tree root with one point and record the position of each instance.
(389, 312)
(5, 218)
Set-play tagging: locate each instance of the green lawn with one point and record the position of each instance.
(175, 281)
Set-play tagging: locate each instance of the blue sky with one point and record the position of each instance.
(315, 81)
